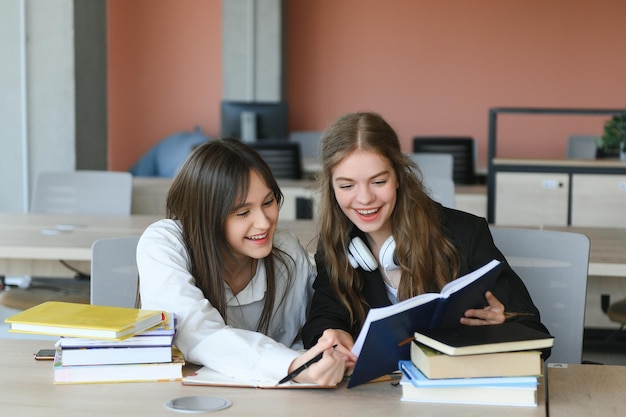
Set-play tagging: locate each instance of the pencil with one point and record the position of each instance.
(301, 368)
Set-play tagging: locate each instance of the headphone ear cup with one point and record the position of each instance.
(359, 254)
(352, 261)
(387, 255)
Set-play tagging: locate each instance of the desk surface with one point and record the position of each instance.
(69, 237)
(565, 163)
(587, 390)
(27, 390)
(607, 253)
(22, 240)
(33, 244)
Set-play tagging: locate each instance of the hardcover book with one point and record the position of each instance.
(435, 365)
(418, 379)
(388, 331)
(161, 335)
(118, 355)
(470, 340)
(135, 372)
(509, 391)
(84, 320)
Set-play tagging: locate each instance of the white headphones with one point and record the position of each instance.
(359, 255)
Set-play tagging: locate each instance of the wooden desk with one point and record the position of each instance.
(149, 195)
(26, 390)
(33, 244)
(587, 390)
(607, 253)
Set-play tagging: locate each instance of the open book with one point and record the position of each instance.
(210, 377)
(387, 331)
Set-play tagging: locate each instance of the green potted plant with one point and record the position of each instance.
(613, 139)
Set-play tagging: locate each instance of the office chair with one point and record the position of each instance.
(436, 175)
(441, 190)
(434, 165)
(553, 266)
(70, 192)
(462, 150)
(582, 147)
(309, 141)
(83, 192)
(114, 275)
(283, 158)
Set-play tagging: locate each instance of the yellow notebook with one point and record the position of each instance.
(84, 320)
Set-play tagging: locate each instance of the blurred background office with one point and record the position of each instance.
(99, 83)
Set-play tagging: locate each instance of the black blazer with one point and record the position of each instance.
(471, 235)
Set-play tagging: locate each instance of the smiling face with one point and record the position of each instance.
(365, 186)
(251, 225)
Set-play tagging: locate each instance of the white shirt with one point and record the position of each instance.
(236, 349)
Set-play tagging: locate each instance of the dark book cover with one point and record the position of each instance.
(509, 336)
(452, 306)
(389, 340)
(386, 339)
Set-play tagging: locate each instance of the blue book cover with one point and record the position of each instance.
(418, 379)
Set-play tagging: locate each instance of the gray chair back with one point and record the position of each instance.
(114, 274)
(582, 147)
(554, 266)
(83, 192)
(441, 190)
(309, 142)
(434, 165)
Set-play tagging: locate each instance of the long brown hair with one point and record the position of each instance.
(214, 179)
(428, 260)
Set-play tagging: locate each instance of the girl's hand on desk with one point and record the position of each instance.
(491, 314)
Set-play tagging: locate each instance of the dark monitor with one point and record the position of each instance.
(251, 121)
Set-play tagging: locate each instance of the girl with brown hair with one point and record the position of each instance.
(237, 286)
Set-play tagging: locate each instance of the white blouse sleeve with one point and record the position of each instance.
(202, 335)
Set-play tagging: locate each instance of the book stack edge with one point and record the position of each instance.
(101, 344)
(147, 356)
(487, 365)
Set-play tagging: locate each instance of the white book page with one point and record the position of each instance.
(450, 288)
(461, 282)
(208, 376)
(382, 312)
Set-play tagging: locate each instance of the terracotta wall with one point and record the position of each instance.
(165, 72)
(430, 67)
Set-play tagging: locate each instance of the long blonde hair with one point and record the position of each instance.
(428, 260)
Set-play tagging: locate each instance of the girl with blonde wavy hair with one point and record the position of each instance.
(382, 239)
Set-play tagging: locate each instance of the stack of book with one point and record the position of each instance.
(496, 365)
(147, 356)
(105, 344)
